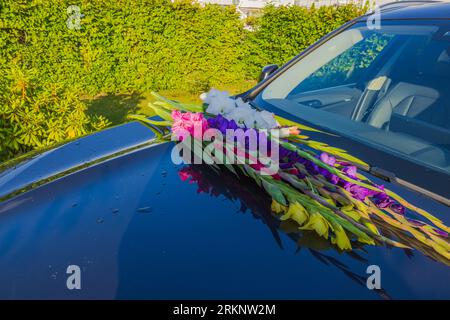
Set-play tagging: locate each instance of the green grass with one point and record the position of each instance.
(116, 108)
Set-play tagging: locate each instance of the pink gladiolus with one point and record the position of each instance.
(190, 123)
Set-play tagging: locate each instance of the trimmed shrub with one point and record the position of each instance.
(125, 46)
(34, 116)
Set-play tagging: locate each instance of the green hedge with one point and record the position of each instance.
(283, 32)
(125, 45)
(131, 46)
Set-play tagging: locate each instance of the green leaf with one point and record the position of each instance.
(274, 192)
(161, 112)
(149, 121)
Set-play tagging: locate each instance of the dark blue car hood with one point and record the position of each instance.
(137, 230)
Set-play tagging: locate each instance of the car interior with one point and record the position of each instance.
(400, 99)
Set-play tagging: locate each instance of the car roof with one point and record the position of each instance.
(413, 10)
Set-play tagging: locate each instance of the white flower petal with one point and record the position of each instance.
(219, 102)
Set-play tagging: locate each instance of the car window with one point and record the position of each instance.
(390, 86)
(348, 67)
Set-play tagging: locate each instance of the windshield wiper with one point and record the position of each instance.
(389, 176)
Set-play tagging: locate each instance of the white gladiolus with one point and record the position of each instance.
(268, 120)
(243, 115)
(219, 102)
(213, 93)
(241, 104)
(285, 132)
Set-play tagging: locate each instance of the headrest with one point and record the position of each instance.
(434, 61)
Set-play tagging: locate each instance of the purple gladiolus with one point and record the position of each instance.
(398, 208)
(311, 167)
(382, 200)
(284, 153)
(333, 178)
(359, 192)
(285, 165)
(222, 124)
(288, 158)
(300, 175)
(329, 160)
(441, 233)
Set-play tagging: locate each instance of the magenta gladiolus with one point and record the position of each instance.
(190, 123)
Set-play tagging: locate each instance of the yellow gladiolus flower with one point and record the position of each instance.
(371, 227)
(350, 211)
(341, 239)
(319, 224)
(277, 207)
(297, 213)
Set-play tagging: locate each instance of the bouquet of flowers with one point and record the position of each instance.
(310, 183)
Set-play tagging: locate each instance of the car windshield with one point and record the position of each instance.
(389, 87)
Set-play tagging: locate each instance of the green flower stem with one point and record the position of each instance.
(332, 170)
(393, 195)
(177, 105)
(343, 215)
(334, 151)
(162, 124)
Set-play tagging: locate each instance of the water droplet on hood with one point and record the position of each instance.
(145, 209)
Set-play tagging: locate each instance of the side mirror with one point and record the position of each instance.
(267, 71)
